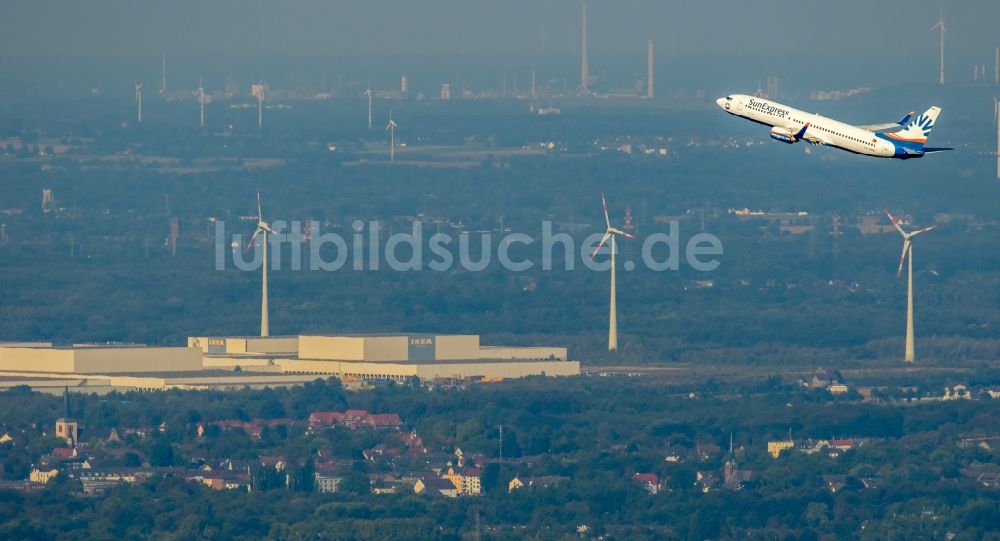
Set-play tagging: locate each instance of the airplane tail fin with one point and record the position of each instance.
(915, 130)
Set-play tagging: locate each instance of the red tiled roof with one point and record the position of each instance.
(325, 417)
(648, 478)
(62, 452)
(384, 419)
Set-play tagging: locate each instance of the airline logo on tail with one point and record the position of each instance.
(909, 141)
(917, 129)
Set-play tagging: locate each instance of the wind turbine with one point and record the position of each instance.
(201, 101)
(368, 93)
(940, 26)
(265, 229)
(391, 128)
(609, 234)
(138, 101)
(257, 91)
(908, 258)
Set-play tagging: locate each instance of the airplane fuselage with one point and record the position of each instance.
(790, 125)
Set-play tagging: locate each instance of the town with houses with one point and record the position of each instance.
(399, 461)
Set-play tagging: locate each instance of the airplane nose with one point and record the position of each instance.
(720, 101)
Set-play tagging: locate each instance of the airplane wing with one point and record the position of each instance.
(816, 140)
(888, 125)
(813, 138)
(880, 127)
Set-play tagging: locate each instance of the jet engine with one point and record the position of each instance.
(783, 135)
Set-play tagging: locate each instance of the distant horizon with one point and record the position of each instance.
(510, 27)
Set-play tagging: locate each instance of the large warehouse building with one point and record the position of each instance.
(397, 356)
(98, 359)
(424, 356)
(232, 362)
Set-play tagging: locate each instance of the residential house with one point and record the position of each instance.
(414, 444)
(436, 486)
(675, 454)
(253, 428)
(353, 419)
(327, 483)
(223, 480)
(42, 476)
(958, 392)
(468, 481)
(63, 454)
(649, 481)
(825, 378)
(985, 479)
(97, 482)
(706, 481)
(811, 446)
(774, 448)
(381, 454)
(835, 483)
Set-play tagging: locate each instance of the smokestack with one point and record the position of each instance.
(996, 114)
(649, 69)
(996, 66)
(584, 76)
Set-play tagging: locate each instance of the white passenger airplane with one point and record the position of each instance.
(904, 139)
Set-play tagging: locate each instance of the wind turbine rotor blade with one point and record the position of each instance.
(604, 204)
(895, 222)
(604, 239)
(253, 238)
(627, 235)
(902, 258)
(924, 230)
(260, 213)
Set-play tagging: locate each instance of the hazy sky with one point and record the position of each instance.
(354, 27)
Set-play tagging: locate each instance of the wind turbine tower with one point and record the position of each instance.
(996, 113)
(258, 92)
(138, 102)
(201, 101)
(368, 93)
(391, 128)
(264, 229)
(907, 257)
(609, 234)
(649, 69)
(940, 27)
(584, 74)
(163, 74)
